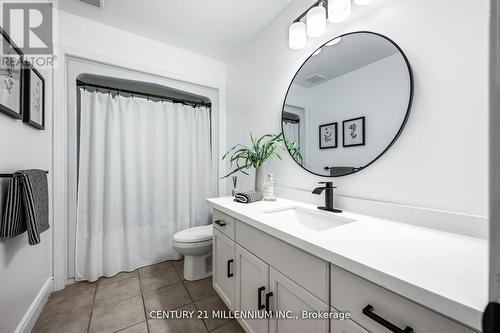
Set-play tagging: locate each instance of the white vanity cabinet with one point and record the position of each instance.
(260, 287)
(252, 281)
(253, 267)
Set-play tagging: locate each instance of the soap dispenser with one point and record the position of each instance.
(269, 188)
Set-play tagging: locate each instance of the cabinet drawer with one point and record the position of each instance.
(351, 293)
(308, 271)
(345, 326)
(224, 223)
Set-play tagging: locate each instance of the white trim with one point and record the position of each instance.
(454, 222)
(60, 120)
(59, 176)
(30, 317)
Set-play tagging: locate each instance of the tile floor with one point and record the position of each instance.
(122, 304)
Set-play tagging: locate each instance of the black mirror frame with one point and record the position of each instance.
(410, 101)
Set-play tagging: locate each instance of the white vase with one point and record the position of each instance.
(259, 179)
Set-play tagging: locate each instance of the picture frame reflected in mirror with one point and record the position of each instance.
(328, 136)
(353, 133)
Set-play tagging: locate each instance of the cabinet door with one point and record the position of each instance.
(288, 296)
(251, 289)
(224, 277)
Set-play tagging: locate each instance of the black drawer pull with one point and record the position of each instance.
(220, 223)
(268, 297)
(368, 311)
(260, 306)
(229, 273)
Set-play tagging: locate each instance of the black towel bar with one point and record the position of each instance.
(10, 175)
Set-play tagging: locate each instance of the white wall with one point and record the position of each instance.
(379, 91)
(86, 38)
(24, 269)
(441, 159)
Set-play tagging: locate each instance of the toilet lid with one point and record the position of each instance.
(195, 234)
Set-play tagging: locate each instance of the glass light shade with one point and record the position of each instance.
(334, 41)
(363, 2)
(316, 21)
(318, 51)
(339, 10)
(297, 37)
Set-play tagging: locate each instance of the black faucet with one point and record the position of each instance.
(328, 188)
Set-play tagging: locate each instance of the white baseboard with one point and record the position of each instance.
(30, 317)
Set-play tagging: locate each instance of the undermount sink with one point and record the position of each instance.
(307, 218)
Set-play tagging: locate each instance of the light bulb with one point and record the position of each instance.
(339, 10)
(363, 2)
(318, 51)
(297, 35)
(316, 21)
(333, 41)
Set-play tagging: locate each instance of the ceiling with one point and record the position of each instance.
(215, 28)
(351, 53)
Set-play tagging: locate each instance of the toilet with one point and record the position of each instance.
(196, 246)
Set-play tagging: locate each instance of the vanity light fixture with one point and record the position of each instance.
(316, 21)
(315, 18)
(363, 2)
(339, 10)
(297, 36)
(314, 26)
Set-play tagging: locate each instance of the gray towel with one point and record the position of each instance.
(247, 197)
(27, 206)
(341, 171)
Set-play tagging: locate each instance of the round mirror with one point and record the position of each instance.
(347, 104)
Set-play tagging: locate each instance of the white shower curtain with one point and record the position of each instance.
(144, 174)
(291, 131)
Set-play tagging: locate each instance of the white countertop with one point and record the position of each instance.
(445, 272)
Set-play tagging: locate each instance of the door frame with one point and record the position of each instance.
(494, 290)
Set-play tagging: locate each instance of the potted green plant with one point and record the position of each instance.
(243, 157)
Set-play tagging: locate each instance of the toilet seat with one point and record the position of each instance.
(194, 235)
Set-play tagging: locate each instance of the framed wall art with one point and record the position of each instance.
(11, 78)
(353, 133)
(328, 136)
(34, 98)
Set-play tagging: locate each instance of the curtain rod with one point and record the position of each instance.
(147, 95)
